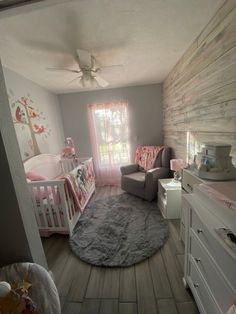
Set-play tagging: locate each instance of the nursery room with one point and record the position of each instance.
(118, 156)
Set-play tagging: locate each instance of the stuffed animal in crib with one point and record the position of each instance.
(14, 299)
(69, 150)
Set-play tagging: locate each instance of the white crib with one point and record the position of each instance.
(53, 204)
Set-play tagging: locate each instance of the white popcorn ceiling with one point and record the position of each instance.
(147, 37)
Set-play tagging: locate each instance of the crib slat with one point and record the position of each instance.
(69, 202)
(56, 206)
(65, 206)
(72, 205)
(41, 206)
(49, 209)
(35, 206)
(68, 164)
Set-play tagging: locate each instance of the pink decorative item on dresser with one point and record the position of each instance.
(176, 165)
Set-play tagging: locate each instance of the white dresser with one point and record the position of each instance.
(210, 265)
(189, 179)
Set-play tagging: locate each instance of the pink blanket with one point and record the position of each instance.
(73, 191)
(145, 156)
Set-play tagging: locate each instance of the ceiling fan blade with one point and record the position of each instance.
(84, 58)
(77, 78)
(111, 66)
(84, 82)
(101, 82)
(94, 67)
(67, 70)
(117, 68)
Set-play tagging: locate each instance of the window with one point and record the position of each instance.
(109, 130)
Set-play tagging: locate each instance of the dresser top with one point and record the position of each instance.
(170, 184)
(223, 192)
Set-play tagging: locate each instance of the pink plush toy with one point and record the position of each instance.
(69, 150)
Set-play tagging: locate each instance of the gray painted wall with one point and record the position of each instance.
(44, 101)
(145, 114)
(19, 236)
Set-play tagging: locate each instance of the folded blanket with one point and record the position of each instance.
(145, 156)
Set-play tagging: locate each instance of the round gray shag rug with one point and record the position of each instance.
(121, 230)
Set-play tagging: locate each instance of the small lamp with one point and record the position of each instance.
(176, 165)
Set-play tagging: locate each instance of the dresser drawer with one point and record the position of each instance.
(188, 181)
(214, 248)
(183, 217)
(184, 211)
(203, 297)
(182, 232)
(218, 285)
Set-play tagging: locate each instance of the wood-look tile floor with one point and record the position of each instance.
(152, 286)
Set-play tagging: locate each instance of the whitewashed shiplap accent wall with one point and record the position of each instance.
(199, 94)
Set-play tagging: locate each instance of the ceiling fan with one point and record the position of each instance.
(87, 70)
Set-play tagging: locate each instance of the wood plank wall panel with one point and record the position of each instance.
(199, 94)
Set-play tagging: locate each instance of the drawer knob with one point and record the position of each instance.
(196, 285)
(199, 231)
(197, 259)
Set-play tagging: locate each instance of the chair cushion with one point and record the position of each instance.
(136, 179)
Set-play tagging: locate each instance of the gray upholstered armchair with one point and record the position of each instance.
(145, 184)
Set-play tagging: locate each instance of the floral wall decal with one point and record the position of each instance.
(30, 124)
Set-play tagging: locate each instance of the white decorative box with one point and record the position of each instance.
(214, 162)
(216, 149)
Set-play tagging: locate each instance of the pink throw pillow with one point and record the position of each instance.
(33, 176)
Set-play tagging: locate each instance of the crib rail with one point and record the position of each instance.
(53, 203)
(53, 206)
(68, 164)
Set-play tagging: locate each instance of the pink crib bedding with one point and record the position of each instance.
(77, 184)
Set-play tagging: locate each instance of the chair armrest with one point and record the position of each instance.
(158, 173)
(129, 169)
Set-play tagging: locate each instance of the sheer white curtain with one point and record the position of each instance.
(109, 132)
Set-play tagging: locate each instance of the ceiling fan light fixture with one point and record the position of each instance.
(88, 70)
(88, 81)
(94, 82)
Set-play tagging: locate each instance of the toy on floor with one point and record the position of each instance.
(14, 298)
